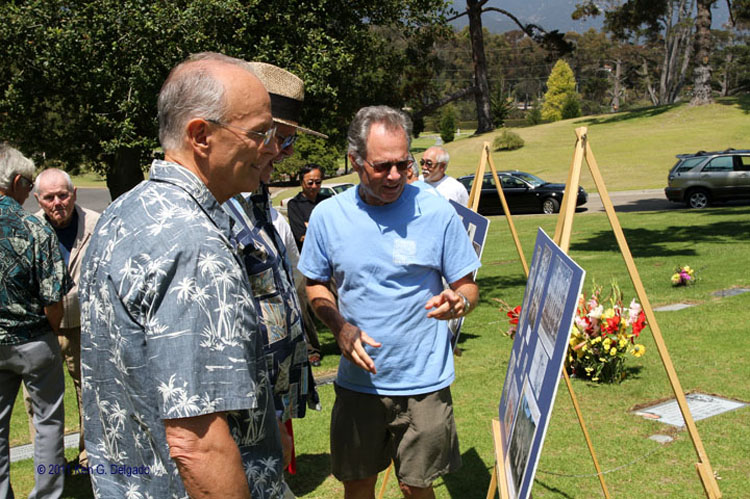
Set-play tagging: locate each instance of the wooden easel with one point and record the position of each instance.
(476, 191)
(498, 475)
(562, 238)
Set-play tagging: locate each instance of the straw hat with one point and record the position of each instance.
(287, 93)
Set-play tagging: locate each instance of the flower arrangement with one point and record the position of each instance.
(512, 313)
(683, 276)
(604, 332)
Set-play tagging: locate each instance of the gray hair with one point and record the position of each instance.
(13, 163)
(192, 90)
(415, 169)
(49, 171)
(359, 129)
(442, 156)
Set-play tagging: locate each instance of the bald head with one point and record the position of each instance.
(56, 196)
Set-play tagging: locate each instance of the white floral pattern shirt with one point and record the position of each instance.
(169, 330)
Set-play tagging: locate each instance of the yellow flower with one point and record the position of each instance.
(608, 314)
(638, 350)
(623, 342)
(580, 353)
(606, 343)
(613, 351)
(675, 278)
(598, 339)
(602, 359)
(687, 269)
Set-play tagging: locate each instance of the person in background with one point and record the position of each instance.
(299, 209)
(33, 282)
(412, 174)
(73, 225)
(434, 163)
(175, 383)
(388, 245)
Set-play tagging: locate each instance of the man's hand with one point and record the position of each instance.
(348, 336)
(350, 339)
(457, 301)
(447, 305)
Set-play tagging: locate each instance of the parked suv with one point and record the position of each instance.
(701, 178)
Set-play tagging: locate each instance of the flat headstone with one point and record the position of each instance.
(730, 292)
(662, 439)
(673, 307)
(701, 406)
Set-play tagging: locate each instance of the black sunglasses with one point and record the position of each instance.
(386, 166)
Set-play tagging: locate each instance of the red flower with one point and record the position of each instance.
(613, 325)
(639, 324)
(513, 315)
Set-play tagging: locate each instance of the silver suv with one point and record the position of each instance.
(704, 177)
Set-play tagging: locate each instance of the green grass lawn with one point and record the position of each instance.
(708, 343)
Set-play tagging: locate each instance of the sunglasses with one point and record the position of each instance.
(29, 183)
(313, 182)
(386, 166)
(427, 162)
(286, 142)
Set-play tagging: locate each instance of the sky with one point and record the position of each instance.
(550, 15)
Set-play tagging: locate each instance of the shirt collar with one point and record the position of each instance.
(176, 174)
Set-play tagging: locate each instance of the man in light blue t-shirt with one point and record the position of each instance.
(388, 245)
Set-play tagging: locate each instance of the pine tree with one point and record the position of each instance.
(561, 87)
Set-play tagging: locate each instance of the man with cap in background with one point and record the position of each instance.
(267, 259)
(434, 163)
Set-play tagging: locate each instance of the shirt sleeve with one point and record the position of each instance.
(314, 261)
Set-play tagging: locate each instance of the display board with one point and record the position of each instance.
(536, 360)
(477, 226)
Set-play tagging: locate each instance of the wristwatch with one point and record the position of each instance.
(467, 303)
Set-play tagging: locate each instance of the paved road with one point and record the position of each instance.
(97, 199)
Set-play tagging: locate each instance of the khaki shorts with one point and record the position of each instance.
(417, 432)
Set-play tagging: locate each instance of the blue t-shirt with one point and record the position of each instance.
(388, 261)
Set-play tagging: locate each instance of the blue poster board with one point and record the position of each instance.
(536, 361)
(477, 227)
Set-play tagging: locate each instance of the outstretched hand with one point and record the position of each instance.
(447, 305)
(350, 339)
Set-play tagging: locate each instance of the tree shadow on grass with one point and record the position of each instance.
(497, 286)
(742, 102)
(646, 112)
(557, 492)
(312, 471)
(675, 240)
(472, 480)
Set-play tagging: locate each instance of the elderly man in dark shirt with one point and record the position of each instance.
(33, 281)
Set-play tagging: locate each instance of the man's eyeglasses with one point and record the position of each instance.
(427, 162)
(267, 135)
(386, 166)
(310, 183)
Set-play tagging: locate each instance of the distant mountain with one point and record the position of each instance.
(550, 15)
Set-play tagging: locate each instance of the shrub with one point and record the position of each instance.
(507, 140)
(534, 116)
(448, 124)
(571, 108)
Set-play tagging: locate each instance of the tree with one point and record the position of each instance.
(702, 47)
(561, 87)
(80, 77)
(552, 40)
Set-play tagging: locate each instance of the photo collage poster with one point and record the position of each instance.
(536, 360)
(477, 227)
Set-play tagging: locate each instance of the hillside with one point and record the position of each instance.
(634, 150)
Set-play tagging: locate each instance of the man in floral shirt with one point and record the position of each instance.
(176, 394)
(33, 281)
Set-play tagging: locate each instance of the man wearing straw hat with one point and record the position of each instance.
(267, 259)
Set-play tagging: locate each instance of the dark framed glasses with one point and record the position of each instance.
(386, 166)
(427, 162)
(310, 183)
(267, 135)
(27, 182)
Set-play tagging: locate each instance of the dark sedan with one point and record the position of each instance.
(523, 191)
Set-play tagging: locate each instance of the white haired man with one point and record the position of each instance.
(434, 163)
(33, 282)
